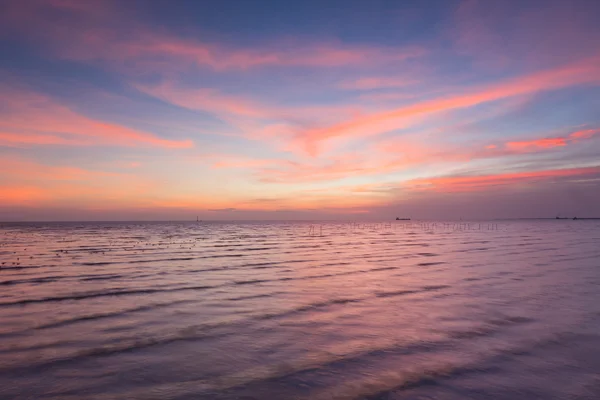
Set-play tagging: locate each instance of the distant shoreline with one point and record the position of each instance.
(413, 220)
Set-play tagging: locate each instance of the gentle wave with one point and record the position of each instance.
(297, 310)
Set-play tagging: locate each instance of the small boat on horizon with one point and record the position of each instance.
(402, 219)
(574, 218)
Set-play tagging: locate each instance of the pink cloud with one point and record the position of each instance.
(388, 156)
(273, 124)
(208, 100)
(162, 50)
(128, 42)
(535, 144)
(35, 119)
(230, 105)
(584, 134)
(485, 182)
(587, 71)
(548, 143)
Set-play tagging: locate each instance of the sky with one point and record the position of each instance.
(233, 110)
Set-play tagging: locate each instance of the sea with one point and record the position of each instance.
(300, 310)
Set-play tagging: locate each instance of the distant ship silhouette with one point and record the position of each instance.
(574, 218)
(402, 219)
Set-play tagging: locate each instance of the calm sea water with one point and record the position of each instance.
(402, 310)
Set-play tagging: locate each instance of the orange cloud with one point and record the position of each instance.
(21, 195)
(534, 144)
(547, 143)
(36, 184)
(116, 193)
(25, 170)
(34, 119)
(587, 71)
(391, 155)
(338, 168)
(274, 125)
(584, 134)
(482, 182)
(295, 172)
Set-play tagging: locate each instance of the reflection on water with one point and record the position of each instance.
(507, 310)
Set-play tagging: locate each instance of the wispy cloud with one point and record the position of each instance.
(587, 71)
(35, 119)
(24, 170)
(486, 182)
(289, 123)
(29, 182)
(130, 43)
(547, 143)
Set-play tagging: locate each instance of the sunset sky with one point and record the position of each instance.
(230, 110)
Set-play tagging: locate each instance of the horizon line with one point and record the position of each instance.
(299, 220)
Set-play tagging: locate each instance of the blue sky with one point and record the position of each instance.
(270, 110)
